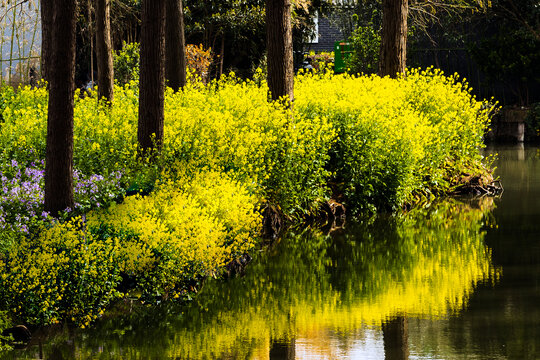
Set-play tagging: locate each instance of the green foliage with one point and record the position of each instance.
(240, 24)
(4, 340)
(366, 43)
(126, 64)
(533, 120)
(511, 57)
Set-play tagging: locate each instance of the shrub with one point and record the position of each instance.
(230, 126)
(198, 60)
(322, 61)
(365, 42)
(126, 63)
(533, 121)
(181, 232)
(64, 274)
(396, 139)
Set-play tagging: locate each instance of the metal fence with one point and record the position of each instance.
(20, 40)
(458, 60)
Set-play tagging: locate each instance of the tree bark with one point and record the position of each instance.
(46, 25)
(152, 75)
(175, 45)
(280, 49)
(60, 70)
(396, 339)
(104, 50)
(393, 55)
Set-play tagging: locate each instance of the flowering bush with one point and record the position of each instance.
(396, 138)
(181, 231)
(379, 142)
(21, 201)
(65, 273)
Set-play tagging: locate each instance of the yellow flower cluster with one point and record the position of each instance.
(183, 230)
(396, 137)
(65, 273)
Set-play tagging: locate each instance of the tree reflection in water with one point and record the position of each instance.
(375, 275)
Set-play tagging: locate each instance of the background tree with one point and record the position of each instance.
(279, 49)
(59, 23)
(393, 54)
(175, 45)
(233, 29)
(504, 41)
(104, 50)
(152, 74)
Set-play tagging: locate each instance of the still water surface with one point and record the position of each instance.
(459, 279)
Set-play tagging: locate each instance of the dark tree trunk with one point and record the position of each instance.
(393, 53)
(221, 55)
(396, 339)
(46, 25)
(282, 351)
(60, 70)
(175, 45)
(152, 76)
(280, 49)
(104, 50)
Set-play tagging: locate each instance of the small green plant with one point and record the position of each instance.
(366, 42)
(4, 340)
(126, 63)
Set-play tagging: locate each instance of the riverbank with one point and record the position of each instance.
(378, 144)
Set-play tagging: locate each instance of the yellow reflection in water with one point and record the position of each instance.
(424, 264)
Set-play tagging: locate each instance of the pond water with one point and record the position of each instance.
(459, 279)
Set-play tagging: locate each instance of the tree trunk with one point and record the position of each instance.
(283, 351)
(104, 50)
(221, 55)
(175, 45)
(393, 53)
(152, 74)
(280, 49)
(396, 339)
(60, 70)
(46, 25)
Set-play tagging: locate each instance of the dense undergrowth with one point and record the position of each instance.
(376, 143)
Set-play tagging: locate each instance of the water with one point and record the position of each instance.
(456, 280)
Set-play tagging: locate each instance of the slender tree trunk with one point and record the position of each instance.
(104, 50)
(175, 45)
(152, 76)
(396, 339)
(91, 38)
(221, 54)
(280, 49)
(46, 25)
(393, 53)
(60, 70)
